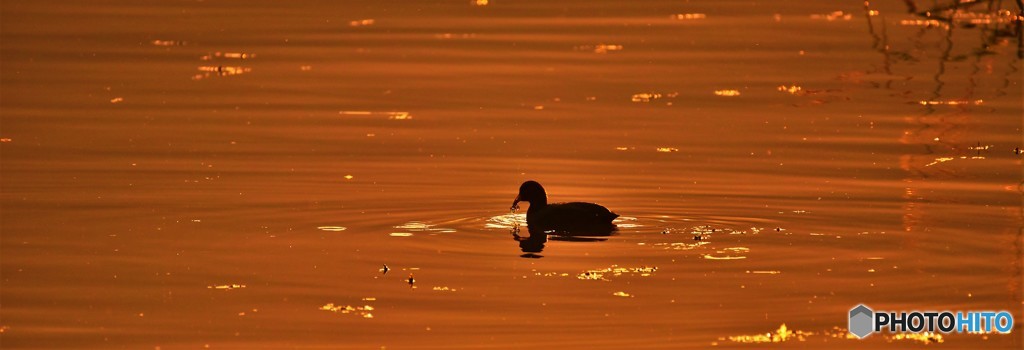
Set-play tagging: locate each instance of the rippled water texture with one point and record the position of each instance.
(334, 174)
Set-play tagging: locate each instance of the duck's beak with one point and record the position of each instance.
(515, 204)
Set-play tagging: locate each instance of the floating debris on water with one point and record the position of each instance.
(616, 271)
(361, 22)
(363, 311)
(686, 16)
(727, 93)
(331, 228)
(385, 269)
(622, 294)
(666, 149)
(833, 16)
(226, 286)
(411, 280)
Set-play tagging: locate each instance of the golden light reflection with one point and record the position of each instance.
(723, 257)
(361, 22)
(168, 43)
(833, 16)
(622, 294)
(666, 149)
(1000, 17)
(927, 23)
(220, 71)
(688, 16)
(616, 271)
(946, 159)
(480, 2)
(231, 55)
(363, 311)
(455, 36)
(389, 115)
(779, 335)
(603, 48)
(506, 221)
(331, 228)
(645, 97)
(626, 222)
(727, 93)
(419, 226)
(951, 102)
(924, 337)
(226, 286)
(676, 245)
(792, 90)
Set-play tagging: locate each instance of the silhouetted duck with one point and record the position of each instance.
(566, 218)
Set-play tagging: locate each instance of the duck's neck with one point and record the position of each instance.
(538, 204)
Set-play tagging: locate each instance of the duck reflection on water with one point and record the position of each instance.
(533, 244)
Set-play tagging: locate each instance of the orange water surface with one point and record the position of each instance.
(237, 174)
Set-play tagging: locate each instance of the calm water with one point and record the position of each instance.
(235, 175)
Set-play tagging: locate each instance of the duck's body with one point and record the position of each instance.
(564, 218)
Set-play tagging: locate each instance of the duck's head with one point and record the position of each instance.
(532, 192)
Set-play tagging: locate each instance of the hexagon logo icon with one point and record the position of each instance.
(860, 323)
